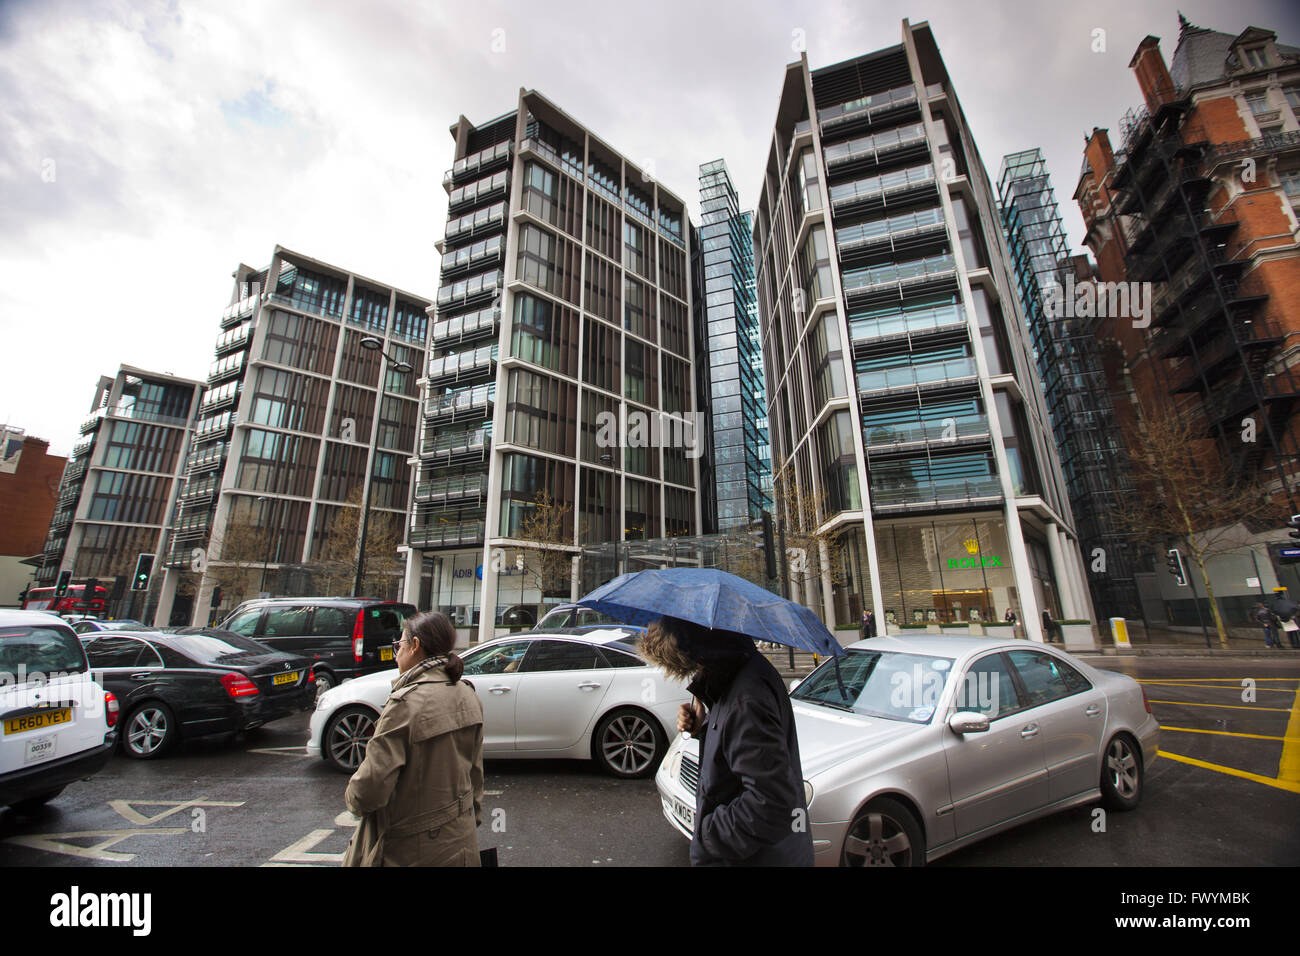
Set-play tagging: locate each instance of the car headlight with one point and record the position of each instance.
(807, 793)
(675, 765)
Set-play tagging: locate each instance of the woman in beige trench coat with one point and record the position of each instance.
(419, 792)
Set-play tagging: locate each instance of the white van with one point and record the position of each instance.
(57, 724)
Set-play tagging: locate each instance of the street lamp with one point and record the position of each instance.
(266, 525)
(374, 344)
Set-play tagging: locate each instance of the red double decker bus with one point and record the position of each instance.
(73, 601)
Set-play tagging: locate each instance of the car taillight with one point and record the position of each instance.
(110, 708)
(1145, 703)
(359, 636)
(237, 685)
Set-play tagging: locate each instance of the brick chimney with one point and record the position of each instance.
(1152, 74)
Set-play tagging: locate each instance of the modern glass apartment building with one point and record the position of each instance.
(120, 485)
(903, 397)
(563, 304)
(737, 464)
(298, 425)
(1068, 356)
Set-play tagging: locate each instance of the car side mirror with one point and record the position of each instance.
(965, 722)
(795, 683)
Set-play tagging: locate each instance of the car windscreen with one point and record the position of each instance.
(210, 649)
(124, 626)
(384, 621)
(554, 620)
(894, 686)
(39, 650)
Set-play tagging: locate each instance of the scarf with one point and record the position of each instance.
(417, 670)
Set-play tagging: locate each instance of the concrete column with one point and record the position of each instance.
(1061, 572)
(166, 596)
(411, 579)
(828, 591)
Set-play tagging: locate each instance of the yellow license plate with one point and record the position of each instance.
(285, 679)
(46, 718)
(385, 653)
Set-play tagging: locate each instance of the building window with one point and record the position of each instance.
(1290, 180)
(540, 192)
(1256, 57)
(1258, 102)
(1292, 94)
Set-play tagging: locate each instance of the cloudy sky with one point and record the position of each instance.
(148, 148)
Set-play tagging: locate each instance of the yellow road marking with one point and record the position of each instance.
(1220, 733)
(1288, 768)
(1188, 703)
(1288, 785)
(1271, 690)
(1184, 680)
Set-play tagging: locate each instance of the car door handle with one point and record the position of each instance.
(143, 676)
(588, 685)
(1030, 730)
(1093, 710)
(499, 690)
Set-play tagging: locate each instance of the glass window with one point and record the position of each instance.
(988, 689)
(118, 652)
(560, 656)
(286, 622)
(613, 658)
(332, 622)
(1045, 677)
(244, 623)
(894, 686)
(497, 658)
(40, 649)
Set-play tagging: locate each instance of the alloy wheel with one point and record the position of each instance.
(348, 739)
(877, 839)
(1123, 768)
(629, 744)
(147, 731)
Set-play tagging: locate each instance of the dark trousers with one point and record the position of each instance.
(1270, 636)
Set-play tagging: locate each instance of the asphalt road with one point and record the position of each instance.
(1217, 797)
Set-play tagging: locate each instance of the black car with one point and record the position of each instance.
(343, 637)
(194, 682)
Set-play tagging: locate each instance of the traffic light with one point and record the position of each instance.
(769, 548)
(65, 578)
(143, 570)
(88, 592)
(1176, 566)
(216, 596)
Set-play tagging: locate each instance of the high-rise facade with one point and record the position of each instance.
(121, 482)
(902, 390)
(302, 420)
(560, 364)
(736, 478)
(1068, 357)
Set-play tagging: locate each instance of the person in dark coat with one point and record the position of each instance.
(1265, 619)
(1285, 610)
(1049, 627)
(871, 624)
(749, 805)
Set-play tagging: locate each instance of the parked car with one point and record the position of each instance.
(194, 682)
(344, 637)
(91, 625)
(938, 742)
(58, 723)
(586, 696)
(565, 616)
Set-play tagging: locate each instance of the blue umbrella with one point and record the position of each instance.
(713, 599)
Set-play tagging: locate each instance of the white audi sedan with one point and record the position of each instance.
(925, 745)
(583, 694)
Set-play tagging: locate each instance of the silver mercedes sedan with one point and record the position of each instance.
(924, 745)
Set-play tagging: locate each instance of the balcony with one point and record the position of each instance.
(61, 520)
(464, 367)
(221, 397)
(1223, 354)
(927, 375)
(213, 426)
(192, 525)
(903, 185)
(75, 469)
(205, 458)
(953, 432)
(931, 495)
(457, 446)
(448, 534)
(240, 310)
(233, 339)
(903, 277)
(894, 233)
(200, 490)
(228, 367)
(82, 447)
(91, 422)
(305, 304)
(474, 163)
(470, 327)
(459, 490)
(470, 403)
(467, 257)
(472, 224)
(915, 325)
(477, 191)
(869, 109)
(571, 165)
(1272, 144)
(888, 145)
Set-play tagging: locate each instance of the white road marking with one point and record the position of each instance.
(54, 842)
(126, 809)
(281, 751)
(300, 852)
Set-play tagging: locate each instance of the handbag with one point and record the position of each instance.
(488, 857)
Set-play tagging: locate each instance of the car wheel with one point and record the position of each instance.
(629, 743)
(324, 681)
(1121, 774)
(32, 804)
(148, 731)
(884, 833)
(344, 741)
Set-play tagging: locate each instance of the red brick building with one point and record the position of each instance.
(29, 483)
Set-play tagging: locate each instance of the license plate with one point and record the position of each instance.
(385, 653)
(45, 718)
(682, 812)
(39, 748)
(285, 679)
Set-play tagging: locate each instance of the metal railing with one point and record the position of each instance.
(469, 325)
(904, 323)
(475, 161)
(464, 532)
(891, 495)
(457, 442)
(898, 273)
(875, 187)
(452, 488)
(929, 373)
(477, 399)
(875, 146)
(463, 364)
(884, 231)
(867, 106)
(938, 431)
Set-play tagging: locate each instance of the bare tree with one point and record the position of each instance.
(802, 512)
(547, 530)
(241, 568)
(335, 567)
(1186, 494)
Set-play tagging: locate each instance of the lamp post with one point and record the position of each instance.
(266, 525)
(374, 344)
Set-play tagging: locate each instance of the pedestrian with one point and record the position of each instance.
(1266, 620)
(1010, 616)
(419, 791)
(750, 808)
(871, 624)
(1049, 628)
